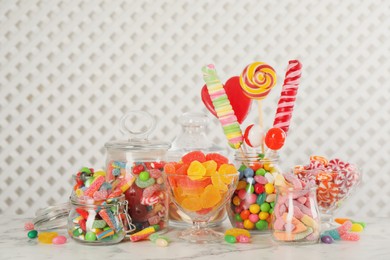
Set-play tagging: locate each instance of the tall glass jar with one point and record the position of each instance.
(192, 137)
(144, 159)
(296, 218)
(253, 201)
(98, 223)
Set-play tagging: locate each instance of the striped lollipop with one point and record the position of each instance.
(257, 80)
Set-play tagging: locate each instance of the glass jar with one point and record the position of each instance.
(253, 201)
(296, 218)
(98, 223)
(193, 137)
(143, 159)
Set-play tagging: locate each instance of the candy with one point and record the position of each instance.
(327, 239)
(288, 96)
(196, 170)
(243, 239)
(59, 240)
(144, 176)
(104, 234)
(32, 234)
(218, 158)
(28, 226)
(143, 234)
(275, 138)
(342, 220)
(252, 136)
(90, 236)
(210, 197)
(222, 107)
(257, 80)
(109, 218)
(46, 237)
(193, 156)
(99, 224)
(143, 184)
(230, 239)
(95, 186)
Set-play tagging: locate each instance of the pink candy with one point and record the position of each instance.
(59, 240)
(242, 239)
(28, 226)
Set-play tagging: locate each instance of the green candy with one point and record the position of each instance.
(238, 218)
(32, 234)
(90, 236)
(261, 172)
(261, 198)
(86, 170)
(250, 188)
(100, 223)
(144, 176)
(143, 184)
(261, 225)
(77, 232)
(265, 207)
(242, 168)
(230, 239)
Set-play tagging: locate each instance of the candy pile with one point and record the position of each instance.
(235, 235)
(340, 233)
(254, 198)
(201, 183)
(44, 237)
(295, 217)
(147, 197)
(334, 178)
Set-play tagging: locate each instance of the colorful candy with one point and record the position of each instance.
(28, 226)
(288, 96)
(275, 138)
(342, 232)
(47, 237)
(32, 234)
(253, 136)
(223, 108)
(59, 240)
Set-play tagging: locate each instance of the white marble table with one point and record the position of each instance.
(374, 244)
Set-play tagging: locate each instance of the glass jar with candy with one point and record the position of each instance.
(143, 160)
(253, 201)
(98, 222)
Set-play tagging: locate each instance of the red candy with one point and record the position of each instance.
(275, 137)
(193, 156)
(219, 159)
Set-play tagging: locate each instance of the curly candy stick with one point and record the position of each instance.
(222, 106)
(288, 95)
(257, 80)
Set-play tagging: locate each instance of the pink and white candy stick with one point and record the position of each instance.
(288, 95)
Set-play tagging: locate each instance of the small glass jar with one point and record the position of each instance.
(296, 218)
(193, 137)
(253, 201)
(144, 159)
(98, 223)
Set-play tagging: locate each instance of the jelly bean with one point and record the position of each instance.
(250, 199)
(254, 208)
(253, 218)
(250, 180)
(356, 227)
(270, 178)
(238, 218)
(263, 215)
(236, 201)
(261, 179)
(241, 185)
(271, 198)
(90, 236)
(327, 239)
(46, 237)
(144, 176)
(261, 198)
(28, 226)
(265, 207)
(32, 234)
(242, 194)
(250, 188)
(261, 172)
(59, 240)
(239, 225)
(249, 224)
(161, 242)
(261, 225)
(77, 232)
(242, 239)
(269, 188)
(245, 214)
(248, 172)
(259, 188)
(230, 239)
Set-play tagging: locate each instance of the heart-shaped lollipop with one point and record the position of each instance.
(238, 100)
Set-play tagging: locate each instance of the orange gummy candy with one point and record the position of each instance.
(191, 203)
(211, 167)
(169, 168)
(217, 181)
(210, 197)
(227, 169)
(196, 171)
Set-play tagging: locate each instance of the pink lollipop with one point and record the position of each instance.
(288, 95)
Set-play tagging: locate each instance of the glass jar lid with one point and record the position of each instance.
(137, 138)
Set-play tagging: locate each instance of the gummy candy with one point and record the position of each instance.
(218, 182)
(219, 159)
(192, 203)
(47, 237)
(210, 197)
(237, 231)
(211, 167)
(196, 170)
(193, 156)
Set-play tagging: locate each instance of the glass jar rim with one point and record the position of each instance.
(254, 156)
(104, 203)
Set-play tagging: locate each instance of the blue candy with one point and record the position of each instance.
(248, 172)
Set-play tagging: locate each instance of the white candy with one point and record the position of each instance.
(253, 136)
(270, 178)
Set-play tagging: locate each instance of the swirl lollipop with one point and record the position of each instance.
(257, 80)
(222, 106)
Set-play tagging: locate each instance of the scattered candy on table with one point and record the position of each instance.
(234, 235)
(340, 233)
(28, 226)
(159, 240)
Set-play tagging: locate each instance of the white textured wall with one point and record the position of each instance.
(70, 69)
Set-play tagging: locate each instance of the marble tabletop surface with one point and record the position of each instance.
(14, 244)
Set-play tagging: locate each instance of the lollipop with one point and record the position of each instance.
(222, 106)
(257, 80)
(288, 95)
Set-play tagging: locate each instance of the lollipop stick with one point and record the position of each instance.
(245, 160)
(260, 110)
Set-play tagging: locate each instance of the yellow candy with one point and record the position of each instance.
(46, 237)
(191, 203)
(237, 231)
(254, 208)
(227, 169)
(248, 224)
(356, 227)
(196, 171)
(99, 173)
(217, 181)
(268, 166)
(263, 215)
(79, 192)
(210, 197)
(269, 188)
(236, 201)
(211, 167)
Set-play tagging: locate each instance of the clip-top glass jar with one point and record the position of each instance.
(193, 137)
(253, 201)
(296, 218)
(98, 223)
(143, 159)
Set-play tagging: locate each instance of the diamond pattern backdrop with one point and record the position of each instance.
(70, 69)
